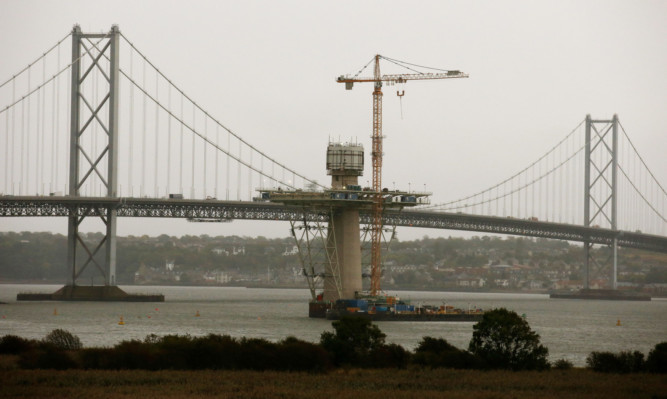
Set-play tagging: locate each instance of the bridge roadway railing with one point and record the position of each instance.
(41, 206)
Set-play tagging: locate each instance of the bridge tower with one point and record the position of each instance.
(94, 112)
(600, 189)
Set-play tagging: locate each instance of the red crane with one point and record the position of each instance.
(376, 153)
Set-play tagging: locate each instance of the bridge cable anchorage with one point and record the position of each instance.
(37, 60)
(212, 118)
(509, 178)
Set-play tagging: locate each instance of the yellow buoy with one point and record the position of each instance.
(618, 322)
(121, 322)
(197, 314)
(55, 311)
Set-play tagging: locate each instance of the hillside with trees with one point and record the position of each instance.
(486, 263)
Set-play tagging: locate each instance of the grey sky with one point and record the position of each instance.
(267, 70)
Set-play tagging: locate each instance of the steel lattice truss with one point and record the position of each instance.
(170, 208)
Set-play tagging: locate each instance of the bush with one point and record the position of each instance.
(134, 354)
(656, 362)
(562, 364)
(622, 362)
(437, 352)
(354, 339)
(296, 355)
(504, 340)
(64, 340)
(14, 345)
(389, 356)
(47, 356)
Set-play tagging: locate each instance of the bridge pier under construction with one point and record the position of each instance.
(332, 255)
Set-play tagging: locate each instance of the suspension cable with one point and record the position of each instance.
(641, 159)
(641, 195)
(37, 60)
(211, 117)
(510, 178)
(50, 79)
(514, 190)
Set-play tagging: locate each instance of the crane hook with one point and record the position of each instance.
(400, 93)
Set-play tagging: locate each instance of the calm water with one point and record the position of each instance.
(571, 329)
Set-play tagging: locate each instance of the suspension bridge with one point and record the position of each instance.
(93, 130)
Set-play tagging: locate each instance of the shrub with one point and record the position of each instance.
(389, 356)
(296, 355)
(98, 358)
(437, 352)
(134, 354)
(503, 339)
(352, 341)
(14, 345)
(62, 339)
(46, 356)
(656, 362)
(622, 362)
(562, 364)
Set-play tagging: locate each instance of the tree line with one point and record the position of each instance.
(42, 256)
(501, 340)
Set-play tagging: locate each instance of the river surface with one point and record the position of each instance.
(570, 328)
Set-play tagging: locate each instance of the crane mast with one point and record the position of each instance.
(376, 153)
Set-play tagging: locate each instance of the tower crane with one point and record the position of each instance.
(376, 152)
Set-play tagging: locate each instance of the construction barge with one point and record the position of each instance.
(389, 308)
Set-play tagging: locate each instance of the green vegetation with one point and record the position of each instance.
(479, 263)
(356, 343)
(505, 340)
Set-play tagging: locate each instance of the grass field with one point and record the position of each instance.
(352, 384)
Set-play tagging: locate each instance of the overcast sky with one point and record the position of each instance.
(267, 70)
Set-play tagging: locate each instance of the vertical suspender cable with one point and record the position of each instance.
(6, 190)
(192, 178)
(130, 130)
(38, 150)
(217, 156)
(42, 132)
(157, 135)
(68, 121)
(250, 177)
(28, 138)
(238, 177)
(22, 149)
(143, 138)
(561, 189)
(54, 142)
(168, 142)
(13, 135)
(229, 148)
(205, 151)
(181, 153)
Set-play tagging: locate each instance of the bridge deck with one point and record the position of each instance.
(40, 206)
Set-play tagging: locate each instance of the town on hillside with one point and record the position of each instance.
(487, 263)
